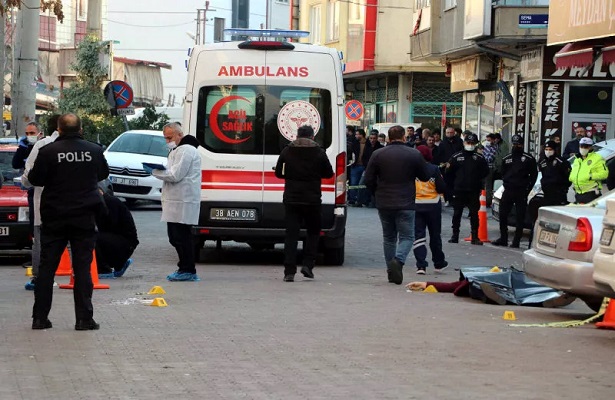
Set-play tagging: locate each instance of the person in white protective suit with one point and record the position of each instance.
(181, 196)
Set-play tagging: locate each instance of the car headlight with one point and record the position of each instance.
(23, 215)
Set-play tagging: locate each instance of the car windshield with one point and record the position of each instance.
(6, 166)
(137, 143)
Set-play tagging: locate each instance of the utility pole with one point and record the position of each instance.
(25, 66)
(201, 23)
(94, 18)
(2, 64)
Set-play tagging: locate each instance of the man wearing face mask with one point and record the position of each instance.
(467, 169)
(555, 171)
(572, 147)
(26, 143)
(181, 197)
(588, 172)
(519, 173)
(450, 145)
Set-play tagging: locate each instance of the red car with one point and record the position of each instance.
(14, 213)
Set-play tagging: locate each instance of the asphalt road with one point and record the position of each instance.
(242, 333)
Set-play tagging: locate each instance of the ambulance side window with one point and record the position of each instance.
(228, 119)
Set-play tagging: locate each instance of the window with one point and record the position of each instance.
(244, 119)
(448, 4)
(333, 21)
(81, 9)
(140, 144)
(219, 29)
(315, 24)
(418, 4)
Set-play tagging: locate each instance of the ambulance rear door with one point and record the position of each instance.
(229, 125)
(300, 90)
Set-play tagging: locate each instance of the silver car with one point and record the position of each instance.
(564, 243)
(604, 259)
(606, 149)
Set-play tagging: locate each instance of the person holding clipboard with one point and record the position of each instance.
(181, 196)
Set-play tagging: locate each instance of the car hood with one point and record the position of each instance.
(132, 160)
(13, 196)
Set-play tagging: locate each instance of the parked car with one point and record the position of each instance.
(563, 247)
(125, 156)
(14, 212)
(606, 149)
(604, 259)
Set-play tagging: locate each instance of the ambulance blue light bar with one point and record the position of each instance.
(277, 33)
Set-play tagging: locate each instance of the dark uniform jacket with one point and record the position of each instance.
(391, 173)
(118, 220)
(519, 172)
(555, 172)
(22, 153)
(447, 148)
(303, 164)
(69, 169)
(469, 169)
(572, 148)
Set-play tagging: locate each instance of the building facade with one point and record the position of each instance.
(374, 37)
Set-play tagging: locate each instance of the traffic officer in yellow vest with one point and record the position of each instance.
(588, 172)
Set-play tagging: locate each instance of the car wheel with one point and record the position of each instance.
(334, 256)
(593, 302)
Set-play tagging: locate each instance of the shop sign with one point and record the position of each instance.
(575, 20)
(598, 72)
(531, 65)
(521, 102)
(552, 110)
(463, 75)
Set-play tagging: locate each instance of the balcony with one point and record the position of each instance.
(506, 21)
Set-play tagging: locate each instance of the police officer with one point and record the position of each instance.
(555, 171)
(69, 169)
(588, 170)
(467, 169)
(519, 173)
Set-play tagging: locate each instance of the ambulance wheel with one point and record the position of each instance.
(258, 246)
(334, 256)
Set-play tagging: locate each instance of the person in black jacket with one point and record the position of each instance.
(450, 145)
(555, 171)
(302, 165)
(117, 238)
(366, 199)
(519, 173)
(391, 175)
(69, 169)
(572, 147)
(467, 170)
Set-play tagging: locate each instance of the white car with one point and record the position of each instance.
(604, 258)
(606, 149)
(565, 241)
(125, 156)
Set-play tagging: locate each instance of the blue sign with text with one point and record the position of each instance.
(533, 21)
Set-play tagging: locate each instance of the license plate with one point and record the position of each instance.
(496, 207)
(606, 237)
(124, 181)
(232, 214)
(4, 230)
(548, 238)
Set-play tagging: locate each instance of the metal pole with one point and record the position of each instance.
(205, 19)
(94, 18)
(25, 55)
(2, 63)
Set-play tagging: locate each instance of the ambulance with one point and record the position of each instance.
(244, 102)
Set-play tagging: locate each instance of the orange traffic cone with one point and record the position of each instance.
(608, 322)
(65, 267)
(93, 272)
(483, 234)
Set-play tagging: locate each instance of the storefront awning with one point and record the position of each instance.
(577, 54)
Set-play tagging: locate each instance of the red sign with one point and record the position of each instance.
(354, 110)
(443, 122)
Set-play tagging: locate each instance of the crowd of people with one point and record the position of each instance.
(408, 194)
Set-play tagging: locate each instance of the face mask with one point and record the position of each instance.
(487, 144)
(171, 145)
(517, 149)
(469, 147)
(32, 139)
(583, 151)
(549, 153)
